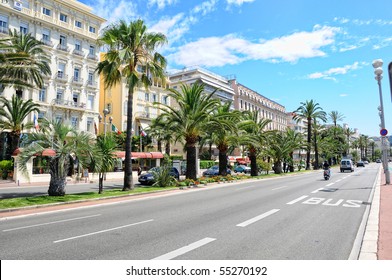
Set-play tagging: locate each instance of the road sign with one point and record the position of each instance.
(383, 132)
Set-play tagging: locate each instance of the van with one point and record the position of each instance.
(346, 164)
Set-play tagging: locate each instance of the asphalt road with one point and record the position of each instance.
(299, 217)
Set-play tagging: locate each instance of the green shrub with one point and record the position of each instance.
(5, 167)
(163, 178)
(205, 164)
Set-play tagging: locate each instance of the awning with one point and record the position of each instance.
(45, 152)
(242, 160)
(144, 125)
(121, 154)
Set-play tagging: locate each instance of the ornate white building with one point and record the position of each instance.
(69, 31)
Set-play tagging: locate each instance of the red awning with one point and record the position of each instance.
(45, 152)
(121, 154)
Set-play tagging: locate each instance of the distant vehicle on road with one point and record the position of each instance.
(242, 168)
(148, 178)
(346, 164)
(378, 160)
(214, 171)
(360, 163)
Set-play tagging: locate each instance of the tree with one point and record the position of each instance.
(223, 132)
(335, 116)
(13, 114)
(65, 142)
(23, 62)
(309, 111)
(253, 136)
(186, 120)
(131, 46)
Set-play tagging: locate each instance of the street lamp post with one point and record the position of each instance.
(377, 64)
(105, 112)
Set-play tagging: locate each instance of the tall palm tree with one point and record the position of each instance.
(223, 132)
(130, 46)
(187, 119)
(65, 142)
(348, 132)
(12, 118)
(335, 116)
(309, 111)
(253, 136)
(23, 62)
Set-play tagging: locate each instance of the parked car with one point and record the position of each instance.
(148, 178)
(365, 162)
(360, 163)
(214, 171)
(378, 160)
(242, 168)
(346, 164)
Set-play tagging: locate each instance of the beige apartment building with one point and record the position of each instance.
(246, 99)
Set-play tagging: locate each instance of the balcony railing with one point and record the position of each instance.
(4, 30)
(63, 48)
(69, 104)
(61, 77)
(77, 80)
(78, 52)
(92, 83)
(92, 56)
(47, 42)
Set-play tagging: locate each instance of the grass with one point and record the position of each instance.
(9, 203)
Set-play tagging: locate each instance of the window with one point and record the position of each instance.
(74, 121)
(63, 17)
(42, 95)
(76, 75)
(61, 70)
(45, 35)
(90, 78)
(59, 118)
(164, 100)
(90, 122)
(3, 24)
(125, 126)
(75, 98)
(154, 97)
(46, 11)
(91, 29)
(125, 109)
(59, 95)
(63, 40)
(78, 45)
(24, 27)
(90, 102)
(146, 96)
(78, 23)
(92, 50)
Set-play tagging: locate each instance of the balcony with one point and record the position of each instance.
(47, 42)
(77, 80)
(4, 30)
(63, 48)
(78, 52)
(61, 77)
(92, 84)
(70, 104)
(145, 115)
(92, 57)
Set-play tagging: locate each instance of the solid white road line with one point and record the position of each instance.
(320, 189)
(280, 188)
(298, 199)
(102, 231)
(257, 218)
(50, 223)
(185, 249)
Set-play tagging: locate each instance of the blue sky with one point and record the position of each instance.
(289, 51)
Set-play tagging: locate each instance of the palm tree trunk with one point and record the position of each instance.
(309, 144)
(128, 184)
(278, 167)
(223, 161)
(167, 148)
(316, 155)
(253, 162)
(57, 186)
(100, 183)
(191, 161)
(160, 146)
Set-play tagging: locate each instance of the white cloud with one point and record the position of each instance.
(343, 95)
(238, 2)
(161, 3)
(230, 49)
(205, 7)
(328, 74)
(112, 11)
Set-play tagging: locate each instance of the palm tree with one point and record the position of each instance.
(348, 132)
(13, 114)
(335, 116)
(253, 136)
(223, 132)
(66, 143)
(104, 158)
(309, 111)
(187, 119)
(23, 62)
(130, 46)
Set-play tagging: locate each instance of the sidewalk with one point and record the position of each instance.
(376, 243)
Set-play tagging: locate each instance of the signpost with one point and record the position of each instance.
(383, 132)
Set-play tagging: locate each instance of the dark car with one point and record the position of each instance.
(214, 171)
(360, 163)
(148, 178)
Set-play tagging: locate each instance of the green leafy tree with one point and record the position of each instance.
(66, 143)
(186, 120)
(309, 111)
(23, 62)
(131, 46)
(13, 114)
